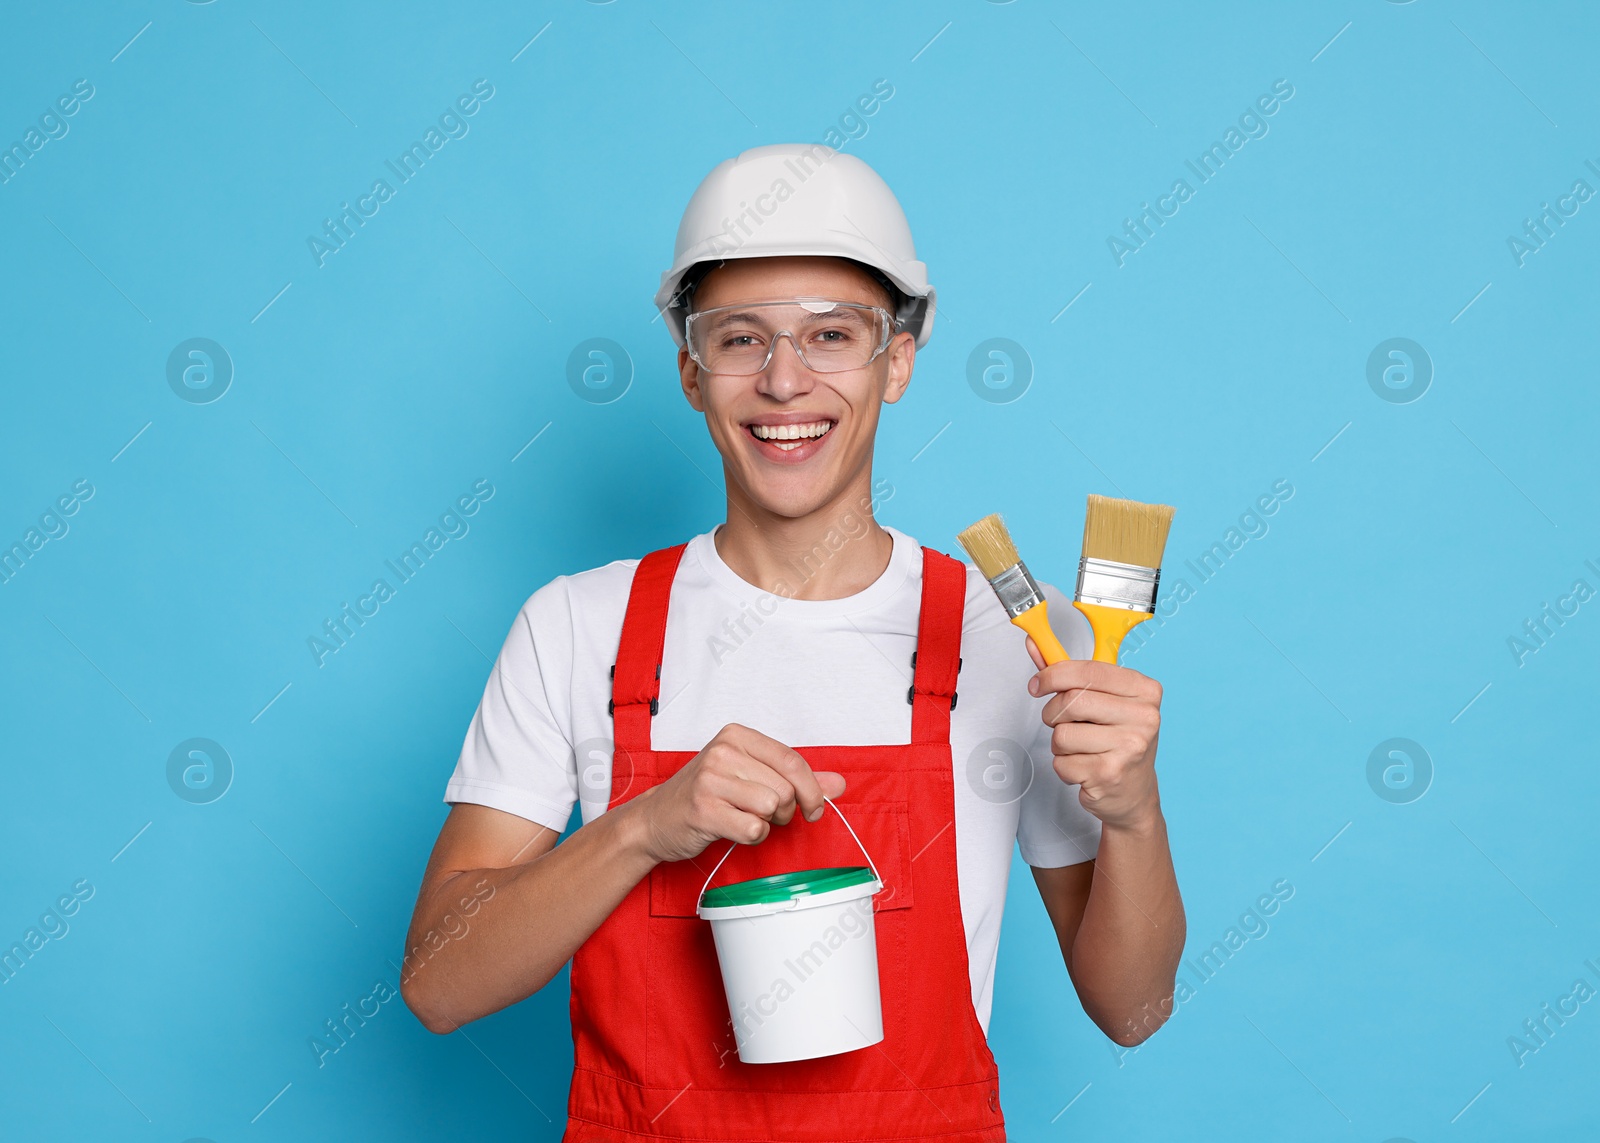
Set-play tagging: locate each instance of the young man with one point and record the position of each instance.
(706, 698)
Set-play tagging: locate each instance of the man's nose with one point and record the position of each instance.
(785, 373)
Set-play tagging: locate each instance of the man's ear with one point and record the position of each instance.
(902, 355)
(689, 378)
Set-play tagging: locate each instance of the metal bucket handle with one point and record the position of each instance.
(732, 845)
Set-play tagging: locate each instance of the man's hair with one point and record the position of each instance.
(696, 274)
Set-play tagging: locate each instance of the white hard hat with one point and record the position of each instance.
(798, 198)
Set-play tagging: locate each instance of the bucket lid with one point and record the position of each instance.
(781, 887)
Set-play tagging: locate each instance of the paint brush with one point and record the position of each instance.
(990, 546)
(1123, 541)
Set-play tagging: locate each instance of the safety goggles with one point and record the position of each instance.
(828, 335)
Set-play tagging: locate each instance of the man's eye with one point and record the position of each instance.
(739, 341)
(835, 336)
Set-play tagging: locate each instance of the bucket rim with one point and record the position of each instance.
(781, 892)
(779, 888)
(796, 905)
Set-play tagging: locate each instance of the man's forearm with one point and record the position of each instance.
(1125, 956)
(532, 918)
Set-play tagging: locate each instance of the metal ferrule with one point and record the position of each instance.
(1017, 590)
(1111, 584)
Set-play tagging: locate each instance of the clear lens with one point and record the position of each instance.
(830, 336)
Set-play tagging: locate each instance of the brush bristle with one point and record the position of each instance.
(990, 546)
(1126, 531)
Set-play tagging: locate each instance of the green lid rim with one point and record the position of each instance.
(780, 888)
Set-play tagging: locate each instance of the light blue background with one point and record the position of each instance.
(1223, 356)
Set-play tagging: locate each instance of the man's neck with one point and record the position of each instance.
(831, 553)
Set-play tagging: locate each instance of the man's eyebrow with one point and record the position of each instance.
(738, 315)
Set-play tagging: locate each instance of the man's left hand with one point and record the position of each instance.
(1106, 720)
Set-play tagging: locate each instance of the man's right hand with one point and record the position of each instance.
(735, 789)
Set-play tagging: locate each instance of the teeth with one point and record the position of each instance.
(790, 432)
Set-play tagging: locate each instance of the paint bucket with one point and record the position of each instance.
(799, 959)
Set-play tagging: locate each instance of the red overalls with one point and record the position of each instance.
(655, 1054)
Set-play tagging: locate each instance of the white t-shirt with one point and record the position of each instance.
(805, 672)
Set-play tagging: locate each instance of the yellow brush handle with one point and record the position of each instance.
(1036, 622)
(1111, 625)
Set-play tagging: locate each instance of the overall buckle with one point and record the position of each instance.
(655, 703)
(912, 689)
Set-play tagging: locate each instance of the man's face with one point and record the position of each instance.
(798, 481)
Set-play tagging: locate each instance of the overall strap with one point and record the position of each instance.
(937, 659)
(636, 675)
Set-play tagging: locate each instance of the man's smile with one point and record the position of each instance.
(789, 438)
